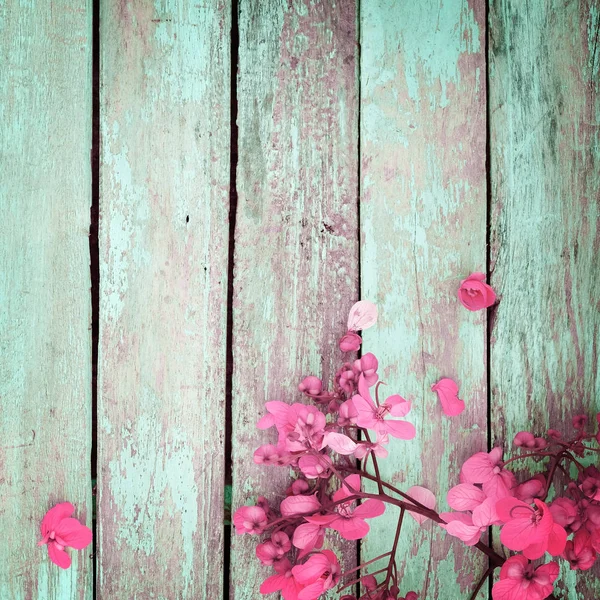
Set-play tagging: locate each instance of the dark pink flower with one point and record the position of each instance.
(519, 580)
(318, 574)
(486, 469)
(250, 519)
(580, 552)
(465, 496)
(580, 421)
(284, 581)
(530, 489)
(60, 531)
(531, 530)
(566, 513)
(350, 342)
(348, 519)
(474, 294)
(524, 439)
(447, 392)
(371, 416)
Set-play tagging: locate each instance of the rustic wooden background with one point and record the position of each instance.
(262, 165)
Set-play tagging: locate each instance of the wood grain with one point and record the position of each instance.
(545, 161)
(296, 259)
(163, 251)
(45, 315)
(423, 229)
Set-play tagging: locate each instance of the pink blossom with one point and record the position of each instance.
(367, 365)
(284, 581)
(250, 519)
(271, 455)
(486, 469)
(531, 530)
(474, 294)
(519, 580)
(318, 574)
(530, 489)
(566, 514)
(469, 528)
(60, 531)
(579, 421)
(299, 486)
(305, 428)
(347, 414)
(524, 439)
(447, 392)
(347, 378)
(314, 465)
(591, 488)
(272, 550)
(350, 342)
(348, 519)
(371, 416)
(311, 386)
(579, 552)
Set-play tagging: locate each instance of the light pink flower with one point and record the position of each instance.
(250, 519)
(271, 455)
(519, 580)
(311, 385)
(348, 519)
(580, 552)
(371, 416)
(284, 581)
(447, 392)
(60, 531)
(474, 294)
(314, 465)
(367, 365)
(318, 574)
(566, 513)
(531, 530)
(486, 469)
(525, 439)
(530, 489)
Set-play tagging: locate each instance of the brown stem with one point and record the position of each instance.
(481, 582)
(394, 548)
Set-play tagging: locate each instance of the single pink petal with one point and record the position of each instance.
(54, 516)
(370, 508)
(307, 535)
(280, 411)
(447, 392)
(299, 505)
(478, 468)
(557, 540)
(272, 584)
(465, 496)
(518, 534)
(399, 429)
(547, 573)
(351, 529)
(512, 508)
(321, 520)
(485, 514)
(399, 407)
(514, 567)
(312, 591)
(469, 534)
(58, 556)
(512, 589)
(339, 443)
(73, 534)
(265, 422)
(365, 411)
(424, 497)
(536, 550)
(362, 316)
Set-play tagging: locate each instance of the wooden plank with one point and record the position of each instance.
(45, 341)
(423, 229)
(296, 259)
(163, 250)
(545, 160)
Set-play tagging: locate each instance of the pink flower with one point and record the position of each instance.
(530, 489)
(284, 581)
(350, 342)
(348, 519)
(318, 574)
(486, 469)
(250, 519)
(566, 514)
(311, 386)
(367, 365)
(474, 293)
(374, 417)
(468, 528)
(60, 531)
(447, 392)
(531, 530)
(524, 439)
(273, 550)
(270, 455)
(314, 465)
(519, 581)
(579, 552)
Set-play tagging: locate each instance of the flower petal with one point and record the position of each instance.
(74, 534)
(53, 517)
(400, 429)
(58, 557)
(423, 496)
(465, 496)
(362, 316)
(447, 392)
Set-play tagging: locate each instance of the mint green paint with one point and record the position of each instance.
(163, 244)
(423, 223)
(294, 280)
(45, 340)
(545, 170)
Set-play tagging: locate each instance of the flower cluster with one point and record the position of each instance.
(350, 421)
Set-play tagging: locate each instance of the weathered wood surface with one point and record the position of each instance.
(545, 172)
(165, 131)
(423, 228)
(45, 314)
(296, 260)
